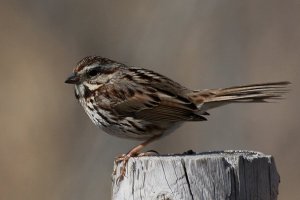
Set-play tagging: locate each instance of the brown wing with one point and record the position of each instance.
(156, 98)
(157, 107)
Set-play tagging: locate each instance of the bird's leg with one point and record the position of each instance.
(132, 153)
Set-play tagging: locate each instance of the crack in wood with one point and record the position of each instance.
(187, 178)
(230, 175)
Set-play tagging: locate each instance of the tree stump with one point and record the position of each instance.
(229, 175)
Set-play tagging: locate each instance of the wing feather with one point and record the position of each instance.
(155, 106)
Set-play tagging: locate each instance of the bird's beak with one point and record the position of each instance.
(73, 79)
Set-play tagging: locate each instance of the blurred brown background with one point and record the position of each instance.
(50, 150)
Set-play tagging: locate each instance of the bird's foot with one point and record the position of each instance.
(148, 153)
(124, 159)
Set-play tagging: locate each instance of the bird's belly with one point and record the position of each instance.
(144, 132)
(126, 127)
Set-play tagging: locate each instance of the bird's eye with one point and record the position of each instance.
(92, 72)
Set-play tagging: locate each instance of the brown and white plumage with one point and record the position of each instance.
(137, 103)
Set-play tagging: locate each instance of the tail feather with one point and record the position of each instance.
(263, 92)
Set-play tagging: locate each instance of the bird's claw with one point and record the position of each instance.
(148, 153)
(124, 158)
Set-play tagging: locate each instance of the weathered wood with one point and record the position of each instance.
(229, 175)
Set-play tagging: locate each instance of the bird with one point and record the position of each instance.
(137, 103)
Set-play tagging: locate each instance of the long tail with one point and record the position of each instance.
(211, 98)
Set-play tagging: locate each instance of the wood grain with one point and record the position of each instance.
(229, 175)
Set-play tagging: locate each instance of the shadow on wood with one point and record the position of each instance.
(229, 175)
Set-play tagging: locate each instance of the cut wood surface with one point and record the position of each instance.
(229, 175)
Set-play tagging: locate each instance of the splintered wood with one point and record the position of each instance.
(229, 175)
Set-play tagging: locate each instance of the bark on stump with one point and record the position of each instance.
(229, 175)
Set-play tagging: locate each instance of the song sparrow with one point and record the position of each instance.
(137, 103)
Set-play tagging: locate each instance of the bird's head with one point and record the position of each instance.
(91, 73)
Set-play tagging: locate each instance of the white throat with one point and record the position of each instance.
(80, 89)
